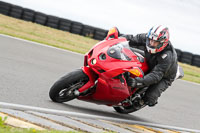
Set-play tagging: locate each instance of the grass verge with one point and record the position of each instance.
(42, 34)
(9, 129)
(4, 128)
(191, 73)
(65, 40)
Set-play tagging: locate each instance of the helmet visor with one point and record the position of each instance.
(150, 48)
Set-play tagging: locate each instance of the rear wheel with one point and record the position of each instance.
(126, 110)
(63, 89)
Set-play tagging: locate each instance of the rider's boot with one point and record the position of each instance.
(150, 101)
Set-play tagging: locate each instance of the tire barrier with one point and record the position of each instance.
(28, 15)
(5, 8)
(16, 11)
(186, 57)
(100, 34)
(65, 24)
(196, 60)
(88, 31)
(76, 28)
(40, 18)
(52, 21)
(178, 51)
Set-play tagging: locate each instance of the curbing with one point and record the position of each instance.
(60, 112)
(19, 123)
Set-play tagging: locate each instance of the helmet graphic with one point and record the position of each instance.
(159, 34)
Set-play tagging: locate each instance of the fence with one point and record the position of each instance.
(76, 27)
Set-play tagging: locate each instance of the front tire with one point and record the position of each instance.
(63, 89)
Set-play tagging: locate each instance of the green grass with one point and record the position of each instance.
(65, 40)
(8, 129)
(42, 34)
(191, 73)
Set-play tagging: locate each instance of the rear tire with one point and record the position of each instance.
(63, 89)
(125, 110)
(137, 104)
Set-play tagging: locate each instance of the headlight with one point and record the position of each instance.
(93, 61)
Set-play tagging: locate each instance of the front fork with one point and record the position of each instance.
(91, 83)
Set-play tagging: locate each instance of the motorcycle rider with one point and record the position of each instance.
(162, 61)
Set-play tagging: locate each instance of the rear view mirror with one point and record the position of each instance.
(113, 33)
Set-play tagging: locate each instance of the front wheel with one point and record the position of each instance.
(63, 89)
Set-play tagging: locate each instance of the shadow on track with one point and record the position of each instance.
(102, 113)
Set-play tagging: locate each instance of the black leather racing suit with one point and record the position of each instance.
(162, 67)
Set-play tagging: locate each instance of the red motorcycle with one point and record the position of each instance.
(103, 78)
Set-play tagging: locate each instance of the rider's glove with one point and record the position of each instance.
(131, 82)
(136, 82)
(139, 82)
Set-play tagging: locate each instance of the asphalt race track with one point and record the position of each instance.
(27, 71)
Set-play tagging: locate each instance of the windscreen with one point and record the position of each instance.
(118, 51)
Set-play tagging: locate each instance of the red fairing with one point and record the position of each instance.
(105, 65)
(92, 77)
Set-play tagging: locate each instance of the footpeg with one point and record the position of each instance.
(76, 93)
